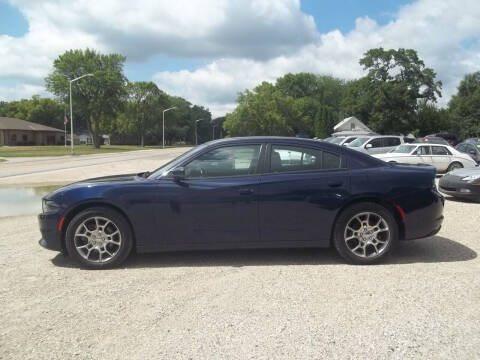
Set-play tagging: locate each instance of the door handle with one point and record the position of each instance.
(245, 191)
(334, 183)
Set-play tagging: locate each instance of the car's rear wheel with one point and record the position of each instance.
(454, 165)
(99, 238)
(365, 233)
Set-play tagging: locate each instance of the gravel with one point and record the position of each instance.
(422, 303)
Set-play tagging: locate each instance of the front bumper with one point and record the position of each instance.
(456, 187)
(51, 236)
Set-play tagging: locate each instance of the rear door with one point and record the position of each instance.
(299, 194)
(441, 157)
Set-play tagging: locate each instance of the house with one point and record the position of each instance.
(351, 126)
(14, 132)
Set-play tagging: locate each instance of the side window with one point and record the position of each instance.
(376, 143)
(291, 158)
(225, 161)
(440, 150)
(392, 141)
(423, 150)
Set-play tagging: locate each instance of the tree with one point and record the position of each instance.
(140, 109)
(98, 97)
(464, 107)
(396, 81)
(45, 111)
(263, 111)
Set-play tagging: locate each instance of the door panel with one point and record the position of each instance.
(218, 211)
(296, 207)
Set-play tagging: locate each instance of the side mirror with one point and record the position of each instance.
(368, 146)
(178, 173)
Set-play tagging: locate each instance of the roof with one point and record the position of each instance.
(17, 124)
(351, 124)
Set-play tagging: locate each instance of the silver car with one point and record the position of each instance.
(443, 157)
(376, 144)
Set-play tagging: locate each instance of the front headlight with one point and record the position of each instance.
(49, 205)
(471, 177)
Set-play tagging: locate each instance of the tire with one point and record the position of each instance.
(365, 245)
(454, 165)
(99, 238)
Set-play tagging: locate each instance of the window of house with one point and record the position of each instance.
(24, 138)
(14, 137)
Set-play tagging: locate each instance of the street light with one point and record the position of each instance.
(163, 125)
(213, 129)
(196, 137)
(71, 109)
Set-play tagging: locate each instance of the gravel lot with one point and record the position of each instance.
(422, 303)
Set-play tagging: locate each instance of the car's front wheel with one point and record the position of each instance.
(99, 238)
(365, 233)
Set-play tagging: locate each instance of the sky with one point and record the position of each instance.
(207, 51)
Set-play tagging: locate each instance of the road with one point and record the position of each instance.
(422, 303)
(66, 169)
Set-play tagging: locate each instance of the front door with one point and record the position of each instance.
(217, 200)
(441, 157)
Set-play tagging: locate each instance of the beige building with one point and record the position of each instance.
(14, 132)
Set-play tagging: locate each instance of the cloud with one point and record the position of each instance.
(247, 41)
(445, 34)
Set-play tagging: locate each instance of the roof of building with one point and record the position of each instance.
(17, 124)
(351, 124)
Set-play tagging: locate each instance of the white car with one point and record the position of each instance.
(378, 144)
(445, 158)
(341, 140)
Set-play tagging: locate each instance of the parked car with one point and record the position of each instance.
(443, 157)
(376, 144)
(463, 183)
(471, 149)
(341, 140)
(432, 140)
(475, 141)
(279, 193)
(451, 139)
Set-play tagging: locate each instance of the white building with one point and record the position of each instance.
(351, 126)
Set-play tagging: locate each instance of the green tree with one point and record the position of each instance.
(263, 111)
(98, 97)
(45, 111)
(465, 106)
(141, 108)
(396, 81)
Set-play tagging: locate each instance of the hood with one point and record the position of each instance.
(112, 178)
(465, 172)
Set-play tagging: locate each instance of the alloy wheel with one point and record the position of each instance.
(97, 239)
(367, 235)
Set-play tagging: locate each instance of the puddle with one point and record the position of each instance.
(23, 201)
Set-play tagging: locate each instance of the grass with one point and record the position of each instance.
(27, 151)
(2, 160)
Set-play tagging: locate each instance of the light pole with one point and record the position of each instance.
(163, 125)
(213, 129)
(196, 137)
(71, 109)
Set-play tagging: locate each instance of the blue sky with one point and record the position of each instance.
(208, 50)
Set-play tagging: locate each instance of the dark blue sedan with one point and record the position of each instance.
(255, 192)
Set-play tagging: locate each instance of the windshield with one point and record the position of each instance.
(358, 142)
(162, 170)
(337, 140)
(403, 149)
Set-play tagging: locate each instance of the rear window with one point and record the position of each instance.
(440, 150)
(292, 158)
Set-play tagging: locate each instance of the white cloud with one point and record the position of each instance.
(249, 41)
(437, 29)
